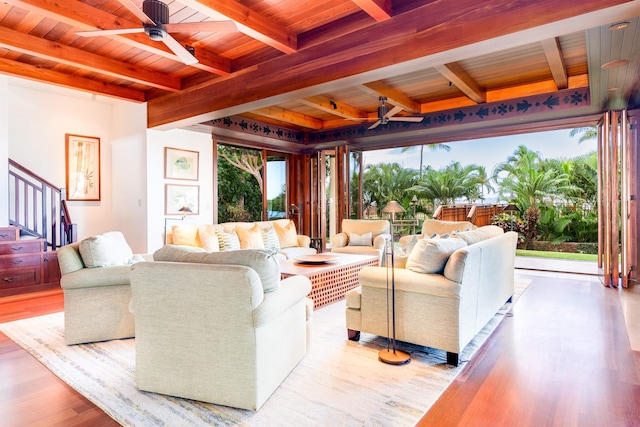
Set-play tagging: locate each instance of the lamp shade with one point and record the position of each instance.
(185, 210)
(511, 207)
(393, 207)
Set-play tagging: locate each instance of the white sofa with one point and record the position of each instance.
(362, 237)
(446, 307)
(217, 327)
(279, 235)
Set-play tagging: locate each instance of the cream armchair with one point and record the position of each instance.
(362, 237)
(210, 329)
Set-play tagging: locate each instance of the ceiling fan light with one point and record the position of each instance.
(155, 33)
(614, 64)
(619, 26)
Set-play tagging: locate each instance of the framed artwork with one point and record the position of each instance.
(177, 197)
(82, 155)
(180, 164)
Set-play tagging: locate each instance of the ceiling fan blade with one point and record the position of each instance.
(180, 51)
(133, 8)
(202, 27)
(406, 119)
(375, 125)
(395, 110)
(110, 32)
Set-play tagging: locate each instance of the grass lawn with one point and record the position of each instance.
(560, 255)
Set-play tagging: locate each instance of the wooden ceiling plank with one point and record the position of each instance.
(292, 117)
(345, 62)
(32, 72)
(463, 81)
(553, 53)
(336, 108)
(380, 10)
(393, 95)
(250, 23)
(86, 18)
(43, 48)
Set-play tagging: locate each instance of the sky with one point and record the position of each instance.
(487, 152)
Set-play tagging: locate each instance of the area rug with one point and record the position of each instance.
(339, 382)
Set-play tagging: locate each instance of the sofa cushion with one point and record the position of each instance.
(185, 234)
(228, 241)
(263, 261)
(287, 235)
(431, 255)
(105, 250)
(208, 238)
(430, 226)
(479, 234)
(270, 238)
(360, 239)
(250, 238)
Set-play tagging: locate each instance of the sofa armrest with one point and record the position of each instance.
(339, 240)
(304, 241)
(381, 240)
(292, 290)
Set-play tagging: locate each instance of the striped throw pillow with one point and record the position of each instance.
(270, 239)
(228, 241)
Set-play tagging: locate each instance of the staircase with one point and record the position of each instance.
(39, 223)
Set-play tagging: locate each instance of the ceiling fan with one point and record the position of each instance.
(155, 23)
(385, 115)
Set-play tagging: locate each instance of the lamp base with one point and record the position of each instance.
(394, 358)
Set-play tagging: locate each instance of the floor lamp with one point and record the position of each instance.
(391, 355)
(185, 210)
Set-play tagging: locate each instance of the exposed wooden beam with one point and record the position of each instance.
(336, 108)
(343, 62)
(20, 42)
(553, 52)
(463, 81)
(84, 17)
(32, 72)
(394, 96)
(250, 23)
(380, 10)
(289, 116)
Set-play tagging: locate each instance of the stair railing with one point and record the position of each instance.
(39, 208)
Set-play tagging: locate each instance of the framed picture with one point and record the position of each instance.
(180, 164)
(82, 155)
(177, 197)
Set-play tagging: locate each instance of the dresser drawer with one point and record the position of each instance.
(9, 234)
(20, 247)
(19, 277)
(19, 261)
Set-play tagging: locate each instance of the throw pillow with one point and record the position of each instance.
(479, 234)
(360, 240)
(208, 238)
(410, 245)
(104, 250)
(263, 261)
(270, 239)
(287, 235)
(228, 241)
(431, 255)
(185, 234)
(250, 238)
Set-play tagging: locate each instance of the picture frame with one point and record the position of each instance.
(181, 164)
(82, 160)
(178, 196)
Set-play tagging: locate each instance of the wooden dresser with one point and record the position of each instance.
(24, 264)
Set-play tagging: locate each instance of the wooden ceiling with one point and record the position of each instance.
(315, 66)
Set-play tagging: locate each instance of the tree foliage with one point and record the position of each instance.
(239, 195)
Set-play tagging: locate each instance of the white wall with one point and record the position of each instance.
(4, 150)
(38, 118)
(182, 139)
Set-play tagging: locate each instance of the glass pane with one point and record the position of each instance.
(276, 187)
(239, 184)
(355, 180)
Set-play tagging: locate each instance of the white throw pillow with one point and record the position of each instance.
(431, 255)
(228, 241)
(360, 240)
(104, 250)
(270, 239)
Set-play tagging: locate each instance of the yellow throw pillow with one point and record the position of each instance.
(250, 238)
(287, 235)
(208, 238)
(186, 235)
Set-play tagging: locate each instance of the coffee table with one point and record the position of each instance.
(330, 281)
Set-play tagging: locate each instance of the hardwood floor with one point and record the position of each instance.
(561, 359)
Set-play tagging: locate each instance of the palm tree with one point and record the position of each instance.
(431, 147)
(385, 182)
(589, 132)
(450, 183)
